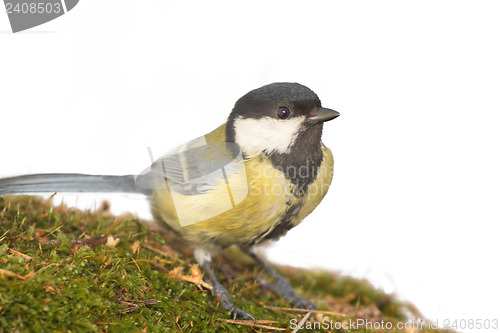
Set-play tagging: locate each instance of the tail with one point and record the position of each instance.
(71, 182)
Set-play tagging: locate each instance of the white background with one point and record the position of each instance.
(414, 206)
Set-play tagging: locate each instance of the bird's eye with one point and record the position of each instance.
(283, 112)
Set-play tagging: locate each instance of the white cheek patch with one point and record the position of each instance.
(267, 134)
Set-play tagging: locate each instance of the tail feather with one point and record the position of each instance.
(71, 182)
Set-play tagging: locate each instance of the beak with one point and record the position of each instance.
(322, 115)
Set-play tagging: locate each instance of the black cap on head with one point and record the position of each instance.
(266, 100)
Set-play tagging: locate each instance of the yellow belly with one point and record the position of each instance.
(270, 198)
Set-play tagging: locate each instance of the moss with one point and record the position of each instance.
(63, 269)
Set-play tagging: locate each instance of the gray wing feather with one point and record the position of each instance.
(194, 170)
(71, 182)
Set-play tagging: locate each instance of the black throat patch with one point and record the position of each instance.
(302, 163)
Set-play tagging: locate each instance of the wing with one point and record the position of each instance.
(193, 168)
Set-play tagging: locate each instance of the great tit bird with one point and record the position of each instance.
(248, 181)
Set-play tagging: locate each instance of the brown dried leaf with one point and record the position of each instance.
(195, 277)
(135, 246)
(111, 241)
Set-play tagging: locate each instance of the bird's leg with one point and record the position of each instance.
(218, 290)
(222, 295)
(280, 285)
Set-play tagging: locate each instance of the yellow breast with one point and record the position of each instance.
(249, 205)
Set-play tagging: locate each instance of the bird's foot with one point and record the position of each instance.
(224, 298)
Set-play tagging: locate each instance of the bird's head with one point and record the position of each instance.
(277, 118)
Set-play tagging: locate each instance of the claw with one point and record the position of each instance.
(228, 305)
(239, 312)
(303, 304)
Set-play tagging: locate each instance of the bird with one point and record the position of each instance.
(249, 181)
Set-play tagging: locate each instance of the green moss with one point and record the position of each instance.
(49, 282)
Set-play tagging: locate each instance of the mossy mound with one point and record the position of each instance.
(63, 269)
